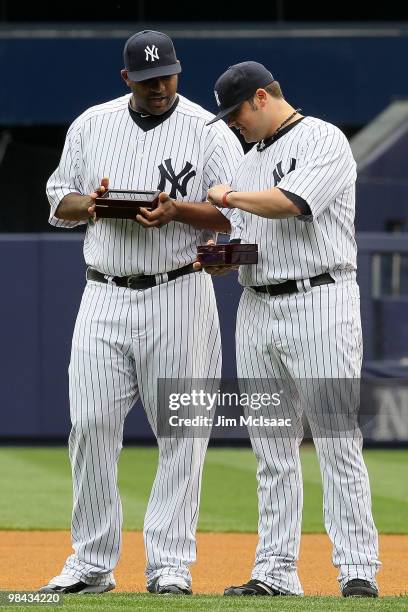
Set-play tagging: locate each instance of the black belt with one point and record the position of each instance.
(291, 286)
(138, 282)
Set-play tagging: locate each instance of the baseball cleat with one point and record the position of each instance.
(253, 587)
(173, 589)
(168, 589)
(68, 584)
(359, 588)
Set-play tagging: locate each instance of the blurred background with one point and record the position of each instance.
(340, 62)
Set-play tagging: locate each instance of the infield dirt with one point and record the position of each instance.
(28, 559)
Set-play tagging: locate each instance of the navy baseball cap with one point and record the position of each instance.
(150, 54)
(237, 84)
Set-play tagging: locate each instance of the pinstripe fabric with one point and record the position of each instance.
(105, 141)
(313, 335)
(110, 366)
(324, 176)
(124, 340)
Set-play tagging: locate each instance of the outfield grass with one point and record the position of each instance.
(35, 485)
(113, 602)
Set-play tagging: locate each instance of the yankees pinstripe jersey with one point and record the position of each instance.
(181, 156)
(312, 160)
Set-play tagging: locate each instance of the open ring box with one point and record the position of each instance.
(231, 254)
(124, 204)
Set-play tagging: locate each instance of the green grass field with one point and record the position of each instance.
(35, 486)
(42, 475)
(209, 603)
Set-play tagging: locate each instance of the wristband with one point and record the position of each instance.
(224, 198)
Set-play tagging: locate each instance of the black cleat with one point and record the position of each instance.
(56, 585)
(253, 587)
(173, 589)
(359, 588)
(168, 589)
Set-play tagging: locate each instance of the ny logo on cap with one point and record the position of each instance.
(217, 98)
(151, 53)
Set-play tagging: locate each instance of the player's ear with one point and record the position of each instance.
(261, 96)
(124, 75)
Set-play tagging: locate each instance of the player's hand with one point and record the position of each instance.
(96, 194)
(165, 212)
(215, 193)
(213, 270)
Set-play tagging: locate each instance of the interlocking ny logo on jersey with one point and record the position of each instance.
(152, 53)
(278, 173)
(168, 174)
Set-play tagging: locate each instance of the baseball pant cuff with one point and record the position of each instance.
(286, 584)
(363, 572)
(87, 573)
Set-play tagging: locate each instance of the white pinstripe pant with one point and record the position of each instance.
(124, 340)
(310, 335)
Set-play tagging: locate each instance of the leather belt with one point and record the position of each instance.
(139, 282)
(292, 286)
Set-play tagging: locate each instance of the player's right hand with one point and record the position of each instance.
(96, 194)
(213, 270)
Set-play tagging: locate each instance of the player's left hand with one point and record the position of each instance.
(213, 270)
(165, 212)
(215, 193)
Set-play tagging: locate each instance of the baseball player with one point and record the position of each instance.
(298, 318)
(137, 319)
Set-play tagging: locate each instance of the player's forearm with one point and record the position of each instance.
(270, 203)
(74, 207)
(202, 216)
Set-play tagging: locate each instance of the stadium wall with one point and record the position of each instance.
(346, 75)
(44, 278)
